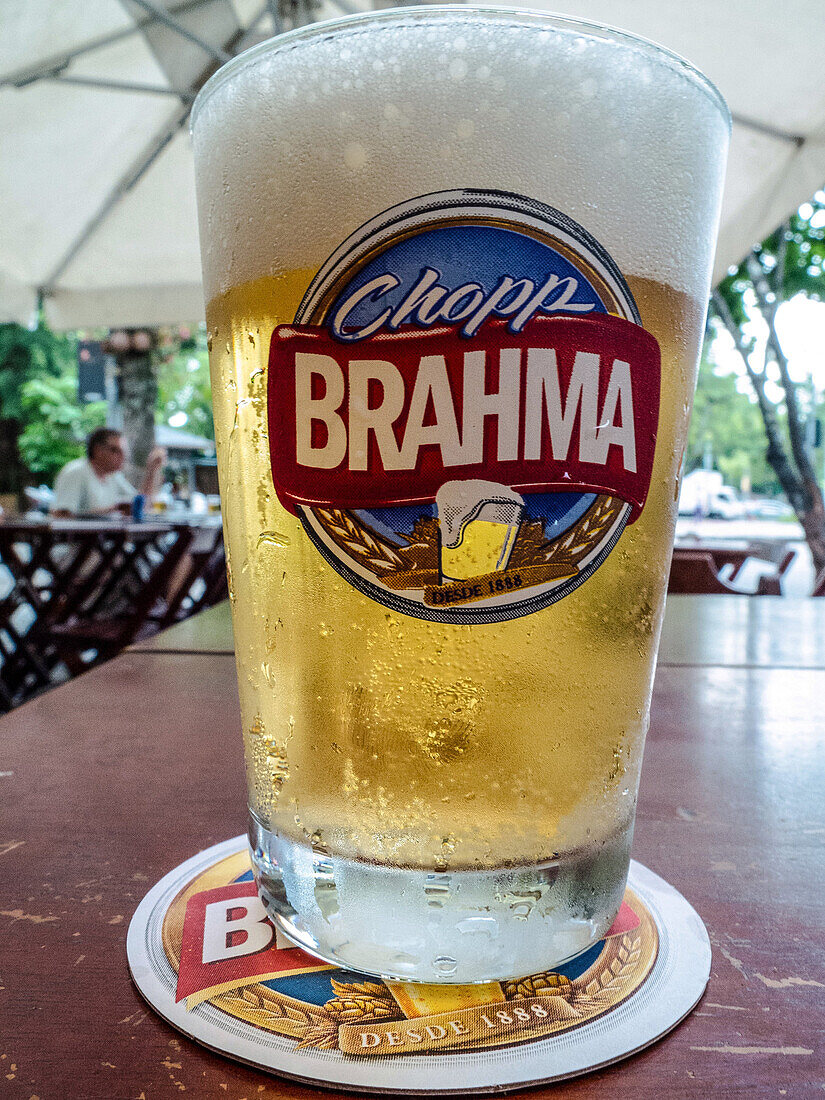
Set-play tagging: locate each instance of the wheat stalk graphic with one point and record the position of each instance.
(582, 536)
(359, 542)
(607, 987)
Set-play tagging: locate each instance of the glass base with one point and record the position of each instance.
(454, 927)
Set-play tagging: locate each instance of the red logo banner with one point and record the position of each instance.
(566, 404)
(228, 941)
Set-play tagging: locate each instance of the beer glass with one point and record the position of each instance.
(456, 267)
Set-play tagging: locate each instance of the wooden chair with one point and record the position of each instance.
(693, 572)
(770, 584)
(41, 571)
(203, 583)
(116, 603)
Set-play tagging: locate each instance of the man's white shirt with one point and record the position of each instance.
(79, 490)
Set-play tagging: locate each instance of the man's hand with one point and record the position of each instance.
(151, 475)
(156, 459)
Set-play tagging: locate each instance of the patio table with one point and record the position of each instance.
(54, 572)
(115, 778)
(733, 631)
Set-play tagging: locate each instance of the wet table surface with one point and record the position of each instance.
(736, 631)
(112, 780)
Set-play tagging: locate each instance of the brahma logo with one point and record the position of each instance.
(464, 412)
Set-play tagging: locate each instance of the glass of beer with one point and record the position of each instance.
(456, 267)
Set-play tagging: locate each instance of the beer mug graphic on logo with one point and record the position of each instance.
(478, 522)
(456, 262)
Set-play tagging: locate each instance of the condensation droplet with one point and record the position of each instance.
(272, 538)
(478, 926)
(445, 965)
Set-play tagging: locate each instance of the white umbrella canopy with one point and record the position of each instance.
(96, 181)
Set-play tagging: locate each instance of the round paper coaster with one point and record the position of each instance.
(205, 957)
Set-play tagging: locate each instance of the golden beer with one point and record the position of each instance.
(431, 798)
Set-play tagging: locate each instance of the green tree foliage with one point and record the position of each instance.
(726, 429)
(56, 424)
(184, 385)
(25, 354)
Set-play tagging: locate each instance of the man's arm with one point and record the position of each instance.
(152, 473)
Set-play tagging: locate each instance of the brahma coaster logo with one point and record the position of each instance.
(217, 938)
(464, 412)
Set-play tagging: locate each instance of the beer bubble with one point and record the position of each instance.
(325, 630)
(458, 68)
(465, 128)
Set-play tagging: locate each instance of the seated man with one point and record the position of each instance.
(95, 485)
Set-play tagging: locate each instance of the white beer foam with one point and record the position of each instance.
(300, 146)
(460, 502)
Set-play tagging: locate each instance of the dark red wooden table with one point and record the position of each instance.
(109, 782)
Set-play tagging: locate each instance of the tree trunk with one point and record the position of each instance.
(813, 524)
(12, 471)
(809, 507)
(794, 470)
(138, 397)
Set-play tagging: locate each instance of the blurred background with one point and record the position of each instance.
(101, 308)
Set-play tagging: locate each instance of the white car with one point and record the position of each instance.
(724, 504)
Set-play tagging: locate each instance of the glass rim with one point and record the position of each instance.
(662, 54)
